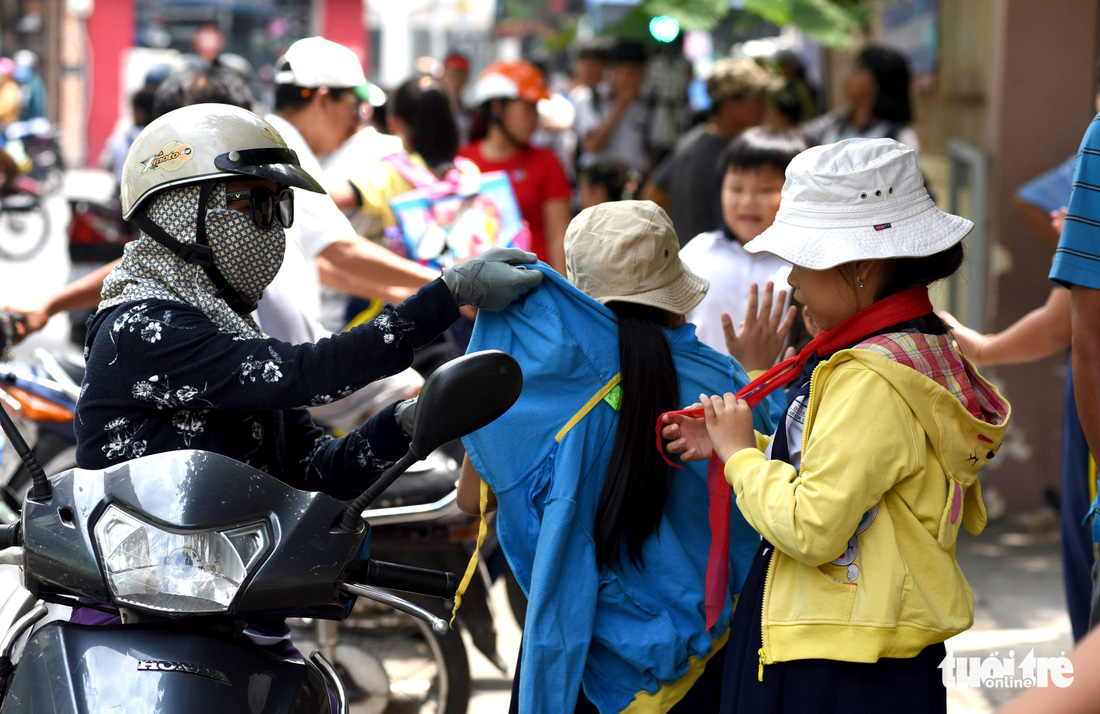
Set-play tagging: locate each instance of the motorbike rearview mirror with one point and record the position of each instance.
(461, 396)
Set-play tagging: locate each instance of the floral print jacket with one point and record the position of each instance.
(162, 376)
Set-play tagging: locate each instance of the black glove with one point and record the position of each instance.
(405, 415)
(491, 280)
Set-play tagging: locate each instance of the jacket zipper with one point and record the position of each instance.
(763, 603)
(768, 572)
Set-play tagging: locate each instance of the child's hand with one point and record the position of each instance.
(1058, 219)
(763, 332)
(686, 436)
(968, 341)
(729, 423)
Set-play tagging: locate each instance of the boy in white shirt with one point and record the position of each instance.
(754, 166)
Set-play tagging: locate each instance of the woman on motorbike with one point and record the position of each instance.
(174, 361)
(605, 539)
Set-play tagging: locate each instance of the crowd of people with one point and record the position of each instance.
(750, 281)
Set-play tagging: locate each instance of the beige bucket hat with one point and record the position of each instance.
(627, 251)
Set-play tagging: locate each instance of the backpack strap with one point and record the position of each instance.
(418, 176)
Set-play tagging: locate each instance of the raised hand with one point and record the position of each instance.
(758, 343)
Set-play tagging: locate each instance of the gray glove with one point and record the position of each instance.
(491, 280)
(405, 415)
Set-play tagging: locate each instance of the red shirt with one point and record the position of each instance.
(537, 177)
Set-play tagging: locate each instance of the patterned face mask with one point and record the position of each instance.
(246, 255)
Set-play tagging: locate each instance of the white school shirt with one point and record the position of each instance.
(731, 270)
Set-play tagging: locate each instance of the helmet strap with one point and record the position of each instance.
(198, 253)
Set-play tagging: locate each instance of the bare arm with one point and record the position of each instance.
(469, 491)
(364, 268)
(81, 293)
(1038, 334)
(555, 219)
(1086, 361)
(344, 196)
(1079, 697)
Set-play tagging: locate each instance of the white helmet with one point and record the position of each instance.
(205, 142)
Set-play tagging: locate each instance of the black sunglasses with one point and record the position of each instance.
(266, 205)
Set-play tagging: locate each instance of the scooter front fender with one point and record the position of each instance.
(141, 669)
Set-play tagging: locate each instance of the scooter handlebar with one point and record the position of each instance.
(9, 536)
(392, 576)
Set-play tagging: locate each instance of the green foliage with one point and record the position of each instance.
(831, 22)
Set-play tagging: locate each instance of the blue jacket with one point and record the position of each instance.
(629, 632)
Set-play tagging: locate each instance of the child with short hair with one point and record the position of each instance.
(754, 165)
(860, 493)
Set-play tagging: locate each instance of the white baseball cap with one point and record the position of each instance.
(857, 199)
(316, 62)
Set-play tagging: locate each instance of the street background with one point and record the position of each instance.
(1014, 567)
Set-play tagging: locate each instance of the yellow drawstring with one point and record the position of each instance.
(471, 567)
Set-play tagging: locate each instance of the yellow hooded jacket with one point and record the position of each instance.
(877, 432)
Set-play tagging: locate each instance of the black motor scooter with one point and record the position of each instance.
(187, 546)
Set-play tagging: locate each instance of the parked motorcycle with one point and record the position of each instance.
(40, 142)
(96, 233)
(189, 544)
(41, 397)
(24, 220)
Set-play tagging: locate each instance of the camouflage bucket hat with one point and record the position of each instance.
(733, 77)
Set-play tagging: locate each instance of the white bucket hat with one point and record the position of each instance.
(857, 199)
(627, 251)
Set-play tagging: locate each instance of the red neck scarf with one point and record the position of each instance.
(904, 306)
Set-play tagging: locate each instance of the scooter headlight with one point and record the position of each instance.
(194, 571)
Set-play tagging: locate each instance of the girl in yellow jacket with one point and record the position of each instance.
(860, 493)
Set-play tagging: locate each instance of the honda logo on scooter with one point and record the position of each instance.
(157, 665)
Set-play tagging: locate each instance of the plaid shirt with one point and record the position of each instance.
(936, 358)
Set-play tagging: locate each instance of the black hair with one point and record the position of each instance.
(627, 52)
(891, 72)
(902, 274)
(619, 181)
(637, 482)
(596, 49)
(292, 97)
(905, 273)
(424, 106)
(786, 57)
(141, 105)
(761, 147)
(213, 82)
(480, 119)
(787, 103)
